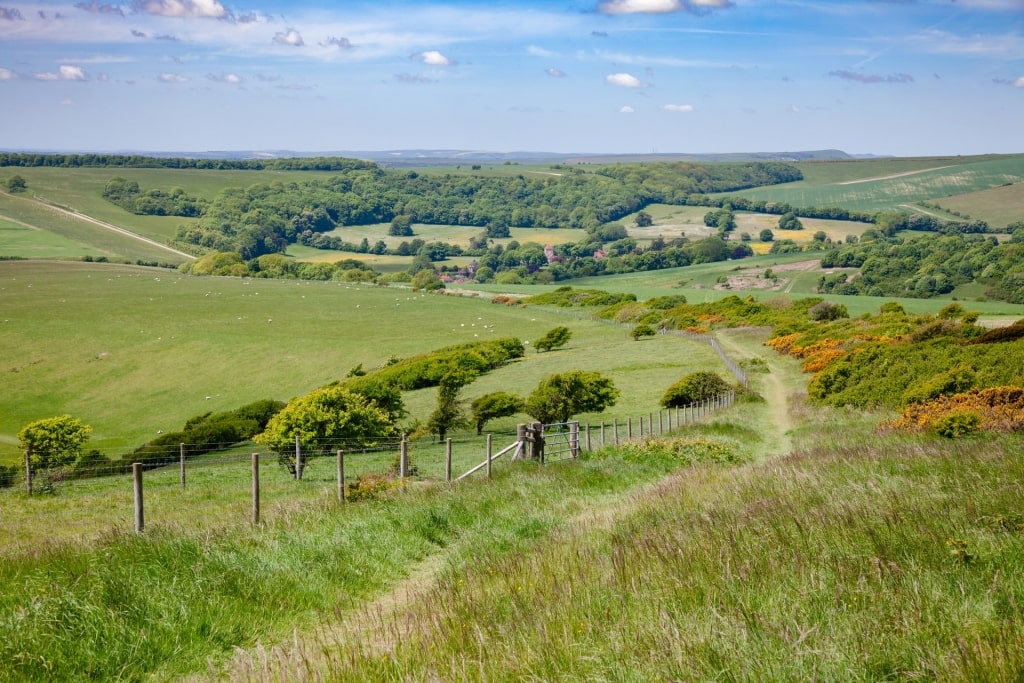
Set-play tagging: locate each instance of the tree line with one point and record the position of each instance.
(92, 160)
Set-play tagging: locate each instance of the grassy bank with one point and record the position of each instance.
(160, 605)
(858, 558)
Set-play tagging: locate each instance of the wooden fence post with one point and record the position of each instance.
(298, 459)
(521, 439)
(28, 471)
(341, 476)
(181, 449)
(140, 517)
(574, 440)
(629, 429)
(490, 450)
(602, 434)
(615, 430)
(650, 424)
(661, 422)
(255, 488)
(403, 459)
(587, 432)
(448, 458)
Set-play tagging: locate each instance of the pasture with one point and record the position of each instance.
(133, 350)
(878, 185)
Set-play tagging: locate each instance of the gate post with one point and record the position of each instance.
(574, 440)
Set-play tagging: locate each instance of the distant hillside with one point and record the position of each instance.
(456, 157)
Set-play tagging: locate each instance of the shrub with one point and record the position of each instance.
(957, 425)
(494, 405)
(8, 476)
(369, 487)
(641, 331)
(693, 388)
(555, 338)
(827, 311)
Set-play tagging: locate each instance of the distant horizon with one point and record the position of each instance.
(909, 78)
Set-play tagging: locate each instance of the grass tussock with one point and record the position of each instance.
(886, 559)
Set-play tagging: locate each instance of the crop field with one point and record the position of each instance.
(134, 350)
(999, 206)
(874, 186)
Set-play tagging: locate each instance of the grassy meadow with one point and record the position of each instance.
(133, 350)
(774, 540)
(873, 185)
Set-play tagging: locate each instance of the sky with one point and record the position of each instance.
(887, 77)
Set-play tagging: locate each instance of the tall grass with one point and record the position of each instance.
(162, 604)
(859, 559)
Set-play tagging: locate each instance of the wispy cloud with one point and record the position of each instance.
(168, 77)
(432, 58)
(626, 109)
(1019, 83)
(661, 6)
(11, 14)
(624, 80)
(340, 42)
(413, 78)
(555, 73)
(100, 8)
(679, 108)
(211, 9)
(1008, 45)
(536, 51)
(7, 74)
(231, 79)
(871, 78)
(289, 37)
(626, 58)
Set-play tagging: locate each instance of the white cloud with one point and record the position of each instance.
(660, 6)
(432, 58)
(232, 79)
(627, 110)
(182, 8)
(168, 77)
(7, 74)
(624, 80)
(46, 76)
(289, 37)
(681, 108)
(72, 73)
(536, 51)
(555, 73)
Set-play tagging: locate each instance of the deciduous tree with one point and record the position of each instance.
(560, 396)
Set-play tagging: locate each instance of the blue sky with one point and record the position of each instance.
(910, 77)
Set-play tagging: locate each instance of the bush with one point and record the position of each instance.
(693, 388)
(369, 487)
(641, 331)
(8, 476)
(827, 311)
(554, 338)
(957, 425)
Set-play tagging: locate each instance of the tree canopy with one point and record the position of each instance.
(54, 441)
(561, 395)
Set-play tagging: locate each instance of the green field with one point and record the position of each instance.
(134, 350)
(894, 183)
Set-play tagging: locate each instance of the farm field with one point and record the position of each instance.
(999, 206)
(135, 350)
(88, 238)
(18, 239)
(889, 184)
